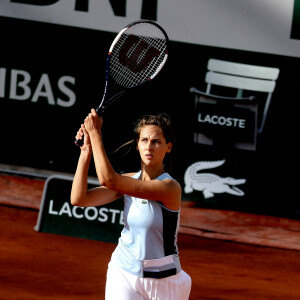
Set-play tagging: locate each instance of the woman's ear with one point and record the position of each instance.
(137, 144)
(170, 145)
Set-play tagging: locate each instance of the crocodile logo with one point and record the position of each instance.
(208, 183)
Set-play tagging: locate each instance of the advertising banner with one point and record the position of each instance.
(227, 155)
(57, 215)
(257, 25)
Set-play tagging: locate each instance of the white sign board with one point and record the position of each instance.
(256, 25)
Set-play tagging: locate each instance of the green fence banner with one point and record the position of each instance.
(57, 214)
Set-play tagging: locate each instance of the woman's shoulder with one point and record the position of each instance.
(132, 174)
(166, 177)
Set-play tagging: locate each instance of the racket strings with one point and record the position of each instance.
(138, 54)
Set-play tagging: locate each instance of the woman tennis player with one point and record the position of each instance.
(145, 264)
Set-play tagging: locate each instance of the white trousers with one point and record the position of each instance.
(121, 285)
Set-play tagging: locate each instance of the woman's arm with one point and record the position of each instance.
(80, 195)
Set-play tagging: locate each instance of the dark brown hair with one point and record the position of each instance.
(162, 120)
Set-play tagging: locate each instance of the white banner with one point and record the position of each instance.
(256, 25)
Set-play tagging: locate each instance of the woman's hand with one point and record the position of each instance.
(93, 123)
(83, 134)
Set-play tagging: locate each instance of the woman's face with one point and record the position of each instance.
(152, 145)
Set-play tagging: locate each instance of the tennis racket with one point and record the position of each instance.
(135, 57)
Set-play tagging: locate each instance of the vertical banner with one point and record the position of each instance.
(295, 34)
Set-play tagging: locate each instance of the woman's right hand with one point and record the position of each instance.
(82, 133)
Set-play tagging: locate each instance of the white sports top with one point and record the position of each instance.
(149, 236)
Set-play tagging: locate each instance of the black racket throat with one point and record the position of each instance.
(101, 108)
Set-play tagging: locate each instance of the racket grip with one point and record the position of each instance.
(79, 142)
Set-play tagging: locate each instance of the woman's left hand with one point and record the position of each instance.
(93, 123)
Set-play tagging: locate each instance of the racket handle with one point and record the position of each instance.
(79, 142)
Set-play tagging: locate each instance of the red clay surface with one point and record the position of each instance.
(47, 266)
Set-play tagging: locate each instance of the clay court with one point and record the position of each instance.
(38, 265)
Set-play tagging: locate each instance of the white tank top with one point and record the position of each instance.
(149, 233)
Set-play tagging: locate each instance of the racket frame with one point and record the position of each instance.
(115, 41)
